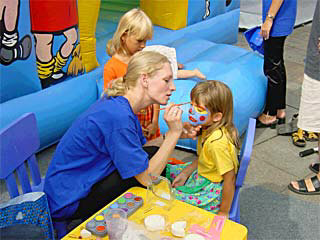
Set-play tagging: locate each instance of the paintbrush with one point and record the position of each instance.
(180, 104)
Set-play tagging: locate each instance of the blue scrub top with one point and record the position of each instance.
(284, 21)
(106, 137)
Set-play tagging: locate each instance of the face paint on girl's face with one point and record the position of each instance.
(198, 115)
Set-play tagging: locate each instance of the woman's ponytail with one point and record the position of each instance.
(118, 88)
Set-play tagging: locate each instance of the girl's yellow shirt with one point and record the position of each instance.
(217, 155)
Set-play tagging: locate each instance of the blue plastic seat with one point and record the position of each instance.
(254, 39)
(244, 160)
(18, 145)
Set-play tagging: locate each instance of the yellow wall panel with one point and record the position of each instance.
(170, 14)
(88, 12)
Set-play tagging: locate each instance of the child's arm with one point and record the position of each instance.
(229, 182)
(190, 74)
(156, 111)
(153, 127)
(183, 176)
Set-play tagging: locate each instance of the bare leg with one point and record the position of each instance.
(67, 47)
(45, 60)
(9, 11)
(11, 49)
(281, 113)
(43, 46)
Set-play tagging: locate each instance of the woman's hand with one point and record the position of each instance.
(180, 180)
(266, 28)
(172, 116)
(190, 131)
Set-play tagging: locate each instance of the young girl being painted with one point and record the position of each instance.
(133, 31)
(209, 181)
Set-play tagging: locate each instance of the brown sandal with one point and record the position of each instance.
(298, 138)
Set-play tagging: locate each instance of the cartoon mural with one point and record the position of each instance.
(48, 19)
(70, 37)
(11, 49)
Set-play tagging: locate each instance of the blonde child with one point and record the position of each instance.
(209, 181)
(133, 31)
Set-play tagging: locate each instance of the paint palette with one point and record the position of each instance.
(128, 202)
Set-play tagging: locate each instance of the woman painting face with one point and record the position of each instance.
(160, 86)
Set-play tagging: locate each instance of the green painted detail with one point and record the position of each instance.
(121, 200)
(112, 10)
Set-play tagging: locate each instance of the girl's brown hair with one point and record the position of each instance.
(134, 22)
(217, 97)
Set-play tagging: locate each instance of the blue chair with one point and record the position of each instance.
(244, 160)
(18, 145)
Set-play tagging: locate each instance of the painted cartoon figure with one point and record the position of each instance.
(49, 19)
(11, 49)
(197, 115)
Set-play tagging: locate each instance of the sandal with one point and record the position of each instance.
(315, 167)
(298, 138)
(286, 129)
(311, 136)
(310, 186)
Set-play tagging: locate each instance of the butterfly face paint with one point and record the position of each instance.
(198, 115)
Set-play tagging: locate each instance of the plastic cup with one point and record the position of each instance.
(116, 223)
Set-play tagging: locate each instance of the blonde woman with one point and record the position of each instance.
(102, 154)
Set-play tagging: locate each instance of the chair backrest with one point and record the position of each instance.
(18, 143)
(245, 153)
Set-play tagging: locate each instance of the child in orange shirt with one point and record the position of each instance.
(133, 31)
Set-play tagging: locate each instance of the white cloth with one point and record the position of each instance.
(170, 53)
(309, 111)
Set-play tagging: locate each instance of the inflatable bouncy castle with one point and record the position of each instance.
(52, 55)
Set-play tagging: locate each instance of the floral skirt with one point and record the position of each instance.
(198, 190)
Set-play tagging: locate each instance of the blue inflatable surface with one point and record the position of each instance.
(202, 45)
(239, 69)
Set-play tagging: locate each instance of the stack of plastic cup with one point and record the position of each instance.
(116, 221)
